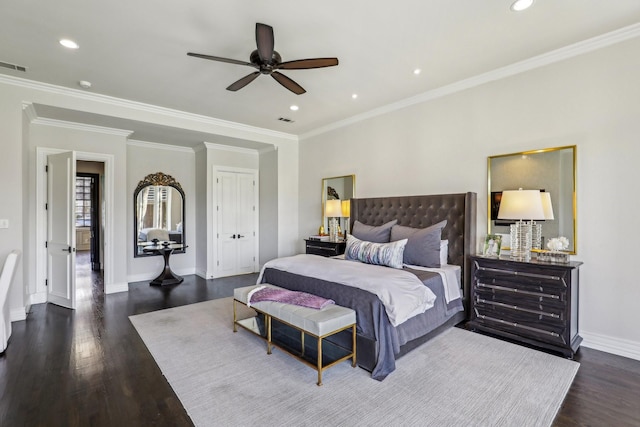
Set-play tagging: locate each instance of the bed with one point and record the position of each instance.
(379, 342)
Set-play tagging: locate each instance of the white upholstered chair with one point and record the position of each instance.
(157, 233)
(5, 282)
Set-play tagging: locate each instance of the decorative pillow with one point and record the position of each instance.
(387, 254)
(444, 252)
(373, 234)
(423, 247)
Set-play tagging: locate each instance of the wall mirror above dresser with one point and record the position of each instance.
(158, 204)
(552, 170)
(341, 188)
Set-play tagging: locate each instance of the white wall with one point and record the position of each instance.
(441, 146)
(144, 159)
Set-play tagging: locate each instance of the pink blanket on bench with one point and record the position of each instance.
(289, 297)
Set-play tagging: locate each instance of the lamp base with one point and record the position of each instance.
(521, 233)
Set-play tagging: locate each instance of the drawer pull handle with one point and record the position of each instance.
(517, 325)
(518, 291)
(515, 307)
(520, 273)
(322, 248)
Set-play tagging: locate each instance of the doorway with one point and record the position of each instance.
(103, 259)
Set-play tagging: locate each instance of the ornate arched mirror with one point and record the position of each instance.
(158, 204)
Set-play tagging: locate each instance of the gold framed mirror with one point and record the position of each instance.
(158, 204)
(341, 188)
(551, 170)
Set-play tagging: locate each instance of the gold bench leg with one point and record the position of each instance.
(319, 361)
(235, 317)
(354, 346)
(268, 320)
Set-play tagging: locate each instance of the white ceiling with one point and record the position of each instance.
(136, 50)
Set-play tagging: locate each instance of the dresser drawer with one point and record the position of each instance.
(538, 330)
(532, 280)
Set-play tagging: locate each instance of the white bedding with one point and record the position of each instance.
(450, 278)
(406, 298)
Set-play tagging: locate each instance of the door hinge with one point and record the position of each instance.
(46, 244)
(218, 264)
(218, 208)
(217, 180)
(254, 208)
(46, 206)
(46, 168)
(46, 282)
(218, 236)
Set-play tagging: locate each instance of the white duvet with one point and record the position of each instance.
(402, 293)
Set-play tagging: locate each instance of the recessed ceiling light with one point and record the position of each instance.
(520, 5)
(84, 84)
(417, 71)
(354, 96)
(294, 108)
(69, 44)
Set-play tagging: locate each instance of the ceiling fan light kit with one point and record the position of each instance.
(267, 61)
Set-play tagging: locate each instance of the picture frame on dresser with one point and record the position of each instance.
(492, 245)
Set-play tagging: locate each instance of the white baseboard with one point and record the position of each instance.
(202, 273)
(618, 346)
(113, 288)
(38, 298)
(18, 314)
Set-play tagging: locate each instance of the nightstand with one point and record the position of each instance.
(325, 248)
(527, 301)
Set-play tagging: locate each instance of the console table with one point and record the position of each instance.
(166, 277)
(531, 302)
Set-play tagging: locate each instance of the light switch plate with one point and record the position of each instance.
(4, 223)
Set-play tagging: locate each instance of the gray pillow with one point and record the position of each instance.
(369, 233)
(423, 247)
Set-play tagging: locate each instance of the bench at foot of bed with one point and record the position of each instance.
(289, 318)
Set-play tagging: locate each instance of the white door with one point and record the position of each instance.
(61, 229)
(236, 198)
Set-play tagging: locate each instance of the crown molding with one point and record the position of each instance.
(222, 147)
(157, 146)
(532, 63)
(148, 108)
(81, 126)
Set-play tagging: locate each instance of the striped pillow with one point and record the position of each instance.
(387, 254)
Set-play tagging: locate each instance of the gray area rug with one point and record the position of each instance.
(458, 378)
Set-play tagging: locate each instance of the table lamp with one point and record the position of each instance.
(524, 206)
(346, 213)
(333, 210)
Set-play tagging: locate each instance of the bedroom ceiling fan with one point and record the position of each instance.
(267, 61)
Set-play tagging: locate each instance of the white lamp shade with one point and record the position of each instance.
(546, 205)
(521, 205)
(333, 208)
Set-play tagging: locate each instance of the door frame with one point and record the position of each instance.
(212, 241)
(38, 290)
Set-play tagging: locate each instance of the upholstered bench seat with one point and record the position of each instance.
(317, 323)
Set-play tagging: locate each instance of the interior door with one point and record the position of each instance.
(236, 223)
(61, 229)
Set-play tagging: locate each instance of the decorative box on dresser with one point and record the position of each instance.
(325, 247)
(527, 301)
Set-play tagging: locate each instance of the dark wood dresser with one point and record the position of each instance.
(527, 301)
(325, 248)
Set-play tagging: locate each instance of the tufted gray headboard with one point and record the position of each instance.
(422, 211)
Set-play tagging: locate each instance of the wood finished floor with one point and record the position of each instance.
(89, 367)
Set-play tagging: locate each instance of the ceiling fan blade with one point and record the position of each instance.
(243, 81)
(288, 83)
(264, 41)
(304, 64)
(217, 58)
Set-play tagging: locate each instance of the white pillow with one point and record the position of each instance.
(444, 252)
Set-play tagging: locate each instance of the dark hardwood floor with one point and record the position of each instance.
(89, 367)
